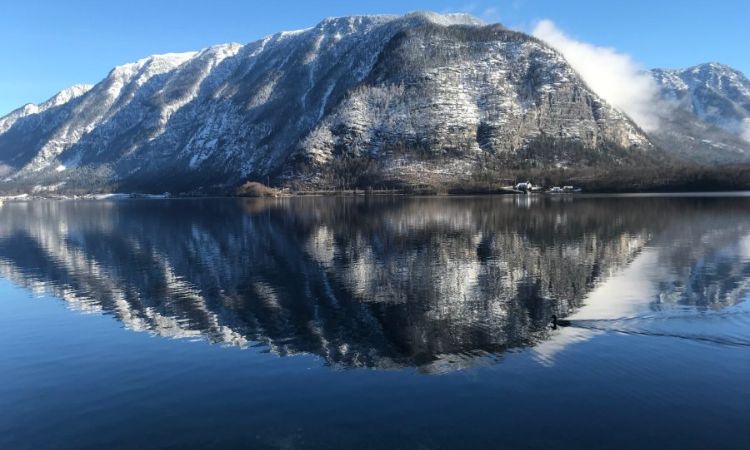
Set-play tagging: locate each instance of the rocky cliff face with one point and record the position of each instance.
(710, 117)
(416, 95)
(469, 93)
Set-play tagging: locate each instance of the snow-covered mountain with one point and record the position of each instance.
(415, 96)
(60, 98)
(710, 121)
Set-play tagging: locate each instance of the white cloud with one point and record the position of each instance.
(614, 76)
(745, 130)
(491, 14)
(5, 169)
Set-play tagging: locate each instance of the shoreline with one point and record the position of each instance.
(379, 194)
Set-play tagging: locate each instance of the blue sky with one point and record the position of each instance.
(50, 45)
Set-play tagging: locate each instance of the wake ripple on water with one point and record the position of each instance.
(730, 327)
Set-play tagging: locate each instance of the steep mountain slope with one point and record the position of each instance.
(60, 98)
(67, 96)
(710, 120)
(406, 97)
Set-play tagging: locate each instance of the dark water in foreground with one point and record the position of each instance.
(376, 323)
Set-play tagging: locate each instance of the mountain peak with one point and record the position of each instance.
(713, 75)
(713, 102)
(714, 66)
(70, 93)
(448, 19)
(703, 71)
(154, 63)
(61, 98)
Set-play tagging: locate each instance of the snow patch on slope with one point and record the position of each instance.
(58, 99)
(746, 130)
(104, 101)
(451, 19)
(209, 59)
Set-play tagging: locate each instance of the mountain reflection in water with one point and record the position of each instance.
(433, 283)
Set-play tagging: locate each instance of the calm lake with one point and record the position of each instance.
(369, 323)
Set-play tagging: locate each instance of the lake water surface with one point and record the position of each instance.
(414, 323)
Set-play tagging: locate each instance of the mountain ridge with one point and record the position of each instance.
(710, 113)
(413, 98)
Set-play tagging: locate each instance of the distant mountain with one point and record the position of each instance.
(710, 122)
(351, 102)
